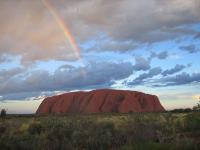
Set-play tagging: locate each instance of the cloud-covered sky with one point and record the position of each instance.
(152, 46)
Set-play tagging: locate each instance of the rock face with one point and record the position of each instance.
(104, 100)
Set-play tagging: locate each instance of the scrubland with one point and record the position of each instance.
(107, 131)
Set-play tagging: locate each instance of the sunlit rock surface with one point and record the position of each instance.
(104, 100)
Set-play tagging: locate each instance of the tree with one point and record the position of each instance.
(3, 113)
(197, 107)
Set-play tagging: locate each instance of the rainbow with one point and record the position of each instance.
(63, 27)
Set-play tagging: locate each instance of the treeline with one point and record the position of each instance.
(181, 110)
(196, 108)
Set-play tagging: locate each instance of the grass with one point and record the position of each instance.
(107, 131)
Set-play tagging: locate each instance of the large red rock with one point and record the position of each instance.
(104, 100)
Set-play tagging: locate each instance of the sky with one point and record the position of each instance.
(49, 47)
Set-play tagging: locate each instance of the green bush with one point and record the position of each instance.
(101, 132)
(35, 128)
(58, 135)
(21, 142)
(192, 122)
(197, 107)
(2, 129)
(142, 129)
(3, 113)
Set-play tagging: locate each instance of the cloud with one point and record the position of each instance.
(141, 64)
(190, 48)
(29, 30)
(140, 79)
(109, 45)
(66, 66)
(180, 79)
(157, 22)
(174, 70)
(197, 36)
(96, 75)
(5, 74)
(162, 55)
(5, 59)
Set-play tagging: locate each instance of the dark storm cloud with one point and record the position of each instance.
(174, 70)
(70, 78)
(191, 48)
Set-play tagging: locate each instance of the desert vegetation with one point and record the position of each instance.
(3, 113)
(133, 131)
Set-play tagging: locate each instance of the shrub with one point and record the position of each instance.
(181, 110)
(3, 113)
(20, 141)
(58, 135)
(142, 129)
(2, 130)
(92, 132)
(192, 122)
(197, 107)
(23, 128)
(35, 128)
